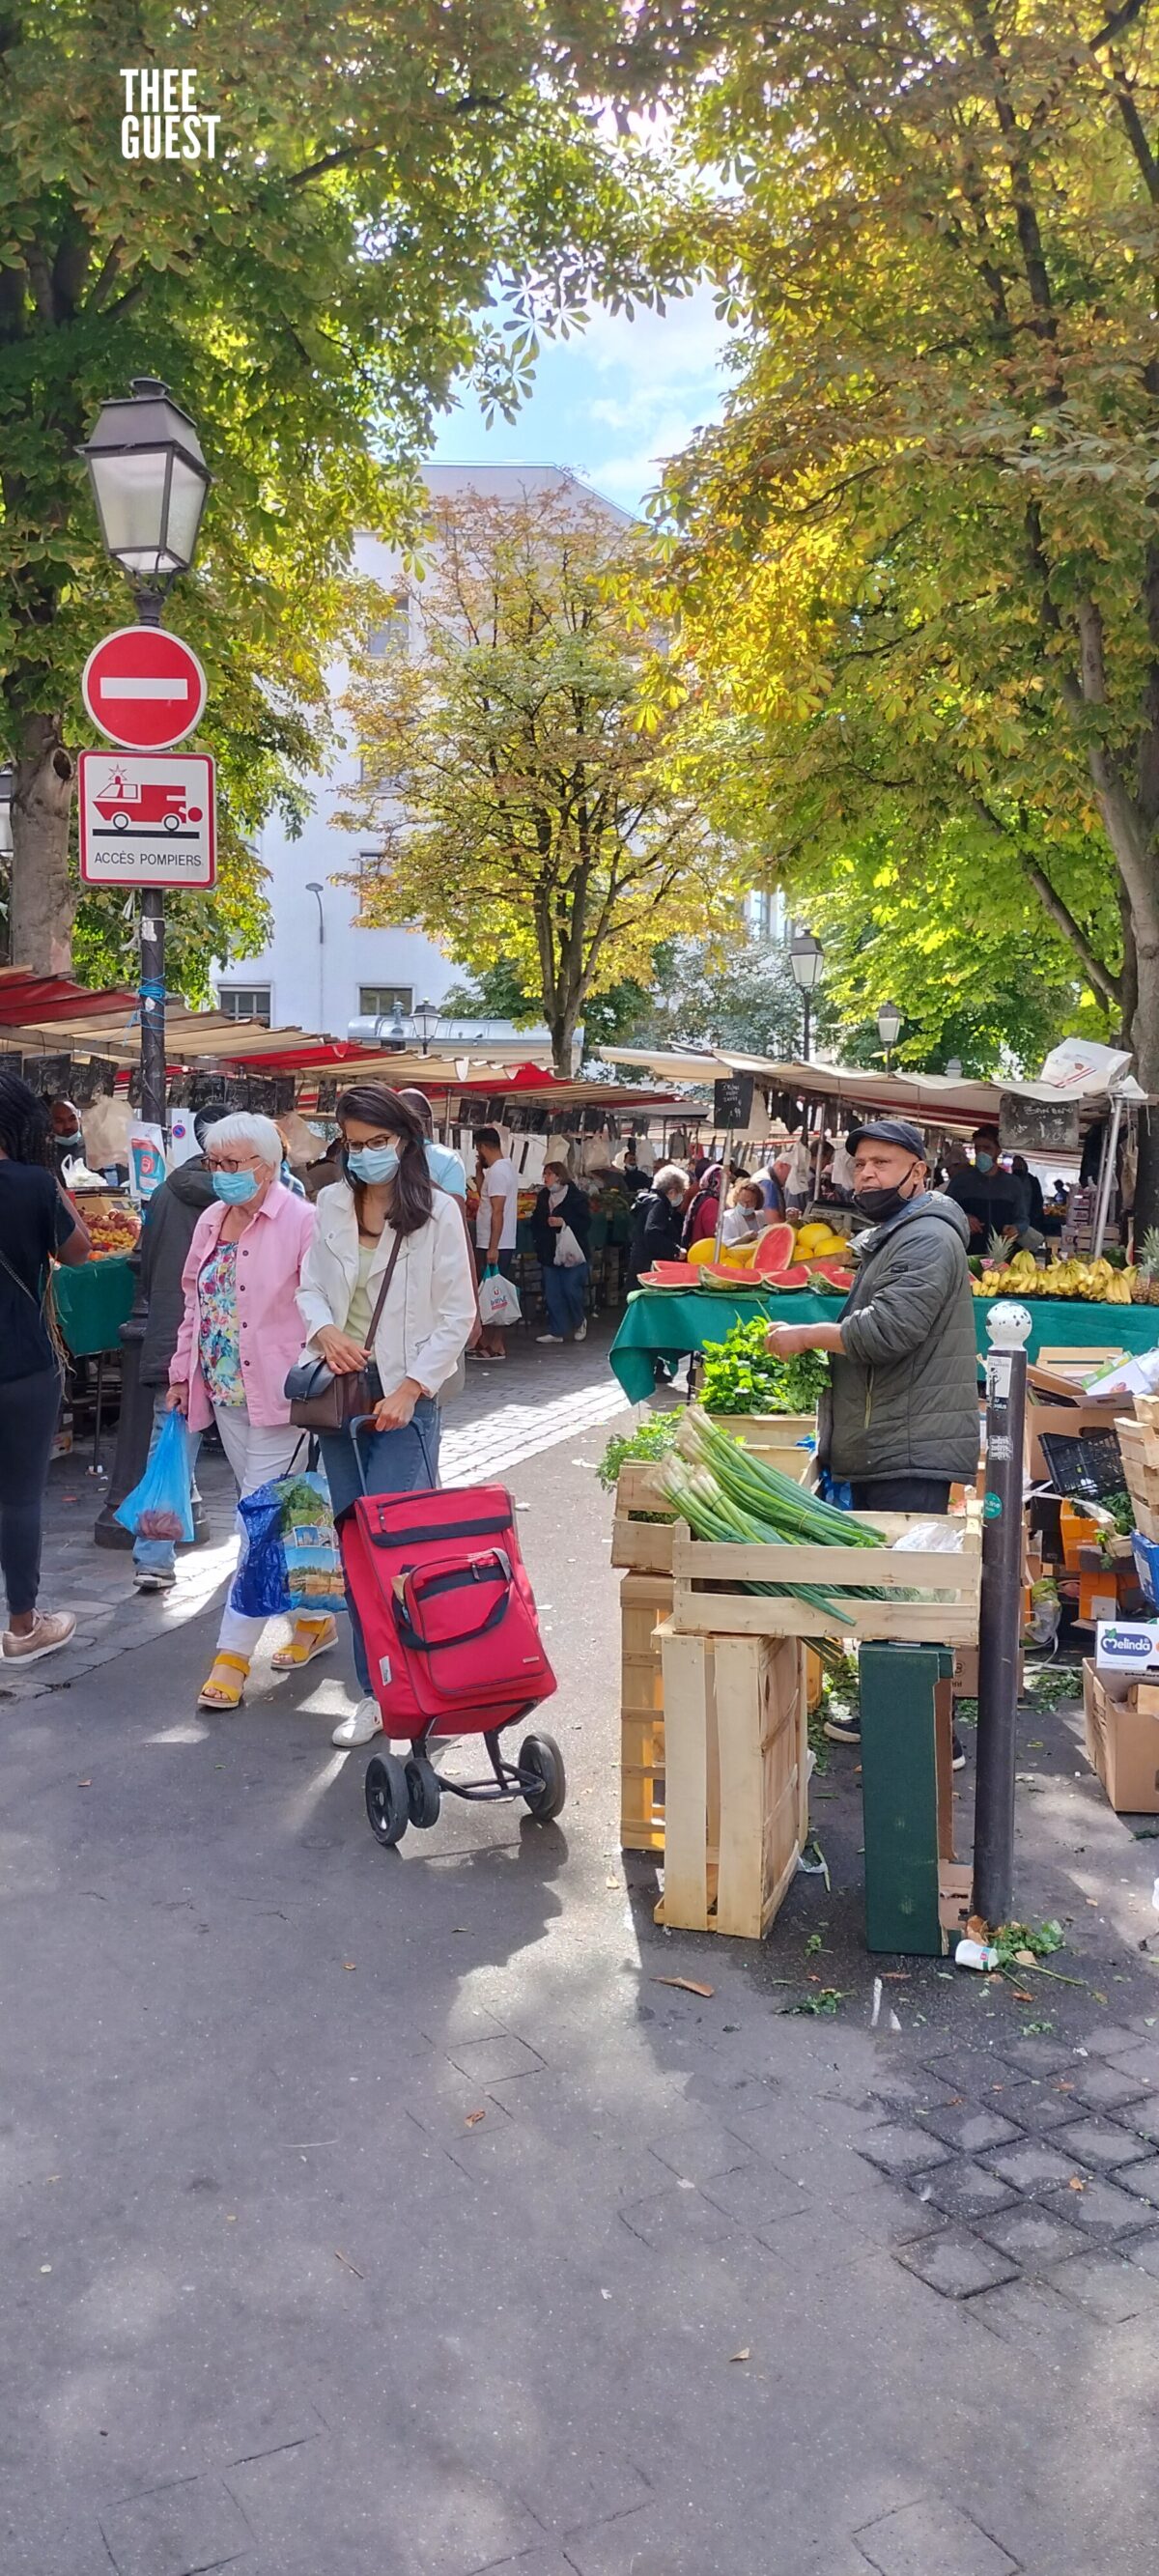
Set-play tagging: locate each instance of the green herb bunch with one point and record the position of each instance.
(652, 1438)
(741, 1375)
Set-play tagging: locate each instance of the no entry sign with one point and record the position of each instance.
(144, 688)
(147, 819)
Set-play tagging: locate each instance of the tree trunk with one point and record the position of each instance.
(1129, 978)
(43, 898)
(562, 1025)
(1146, 1038)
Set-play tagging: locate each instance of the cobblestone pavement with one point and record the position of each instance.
(377, 2214)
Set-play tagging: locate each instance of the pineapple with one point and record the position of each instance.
(997, 1251)
(1146, 1287)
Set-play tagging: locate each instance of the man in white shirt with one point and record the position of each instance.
(495, 1225)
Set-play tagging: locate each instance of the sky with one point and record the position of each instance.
(610, 402)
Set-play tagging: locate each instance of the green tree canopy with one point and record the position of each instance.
(399, 194)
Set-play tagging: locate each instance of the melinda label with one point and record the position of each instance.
(162, 121)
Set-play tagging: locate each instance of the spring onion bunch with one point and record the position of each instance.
(729, 1496)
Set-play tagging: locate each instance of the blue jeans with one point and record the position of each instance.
(565, 1295)
(393, 1462)
(159, 1555)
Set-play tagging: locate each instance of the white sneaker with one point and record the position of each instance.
(550, 1337)
(363, 1723)
(581, 1331)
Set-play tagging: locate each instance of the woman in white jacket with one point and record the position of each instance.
(386, 1197)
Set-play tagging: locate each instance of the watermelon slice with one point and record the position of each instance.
(833, 1272)
(797, 1277)
(775, 1250)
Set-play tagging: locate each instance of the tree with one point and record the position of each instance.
(396, 195)
(923, 544)
(538, 800)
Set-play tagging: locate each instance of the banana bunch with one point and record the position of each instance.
(1094, 1281)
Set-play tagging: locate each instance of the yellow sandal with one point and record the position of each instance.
(221, 1690)
(311, 1637)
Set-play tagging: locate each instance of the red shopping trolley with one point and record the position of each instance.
(453, 1648)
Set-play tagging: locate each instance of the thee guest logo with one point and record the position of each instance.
(162, 121)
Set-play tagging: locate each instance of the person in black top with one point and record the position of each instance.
(37, 1225)
(657, 1222)
(565, 1287)
(991, 1200)
(1031, 1190)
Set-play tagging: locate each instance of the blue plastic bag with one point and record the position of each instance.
(161, 1506)
(290, 1558)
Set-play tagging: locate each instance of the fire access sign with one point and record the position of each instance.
(147, 818)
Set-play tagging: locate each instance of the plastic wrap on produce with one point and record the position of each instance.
(934, 1537)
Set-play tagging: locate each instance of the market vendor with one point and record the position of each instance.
(903, 1361)
(993, 1201)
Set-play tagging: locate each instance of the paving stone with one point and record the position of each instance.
(1106, 2287)
(1106, 2089)
(1141, 2060)
(649, 2543)
(932, 2539)
(755, 2195)
(1032, 2235)
(669, 2218)
(1032, 2167)
(175, 2530)
(892, 2216)
(970, 2130)
(402, 2511)
(1141, 2179)
(964, 2190)
(956, 2264)
(1101, 2144)
(1144, 2251)
(1143, 2118)
(1101, 2210)
(698, 2150)
(1110, 2039)
(901, 2147)
(1033, 2319)
(1040, 2107)
(576, 2489)
(489, 2061)
(1040, 2056)
(815, 2241)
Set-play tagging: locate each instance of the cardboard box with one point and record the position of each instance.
(1129, 1647)
(1067, 1422)
(1122, 1742)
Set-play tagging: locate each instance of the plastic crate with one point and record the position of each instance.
(1087, 1468)
(1146, 1552)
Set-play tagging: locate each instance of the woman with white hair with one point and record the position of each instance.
(240, 1335)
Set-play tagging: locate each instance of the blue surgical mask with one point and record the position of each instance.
(983, 1162)
(235, 1187)
(373, 1163)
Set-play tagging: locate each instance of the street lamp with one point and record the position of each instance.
(149, 481)
(807, 966)
(314, 887)
(391, 1021)
(426, 1018)
(888, 1028)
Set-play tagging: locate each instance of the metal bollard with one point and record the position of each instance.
(1000, 1624)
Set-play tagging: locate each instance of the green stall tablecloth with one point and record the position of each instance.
(655, 1322)
(93, 1302)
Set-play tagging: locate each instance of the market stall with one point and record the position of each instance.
(661, 1324)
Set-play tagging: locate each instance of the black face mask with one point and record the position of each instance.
(880, 1204)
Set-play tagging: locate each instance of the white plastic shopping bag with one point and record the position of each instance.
(569, 1251)
(498, 1300)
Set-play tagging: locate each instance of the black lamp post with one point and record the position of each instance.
(149, 480)
(426, 1017)
(807, 966)
(889, 1028)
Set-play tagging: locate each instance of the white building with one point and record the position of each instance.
(321, 968)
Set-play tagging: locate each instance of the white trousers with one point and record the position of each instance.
(256, 1452)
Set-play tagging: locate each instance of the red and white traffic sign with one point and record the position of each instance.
(144, 688)
(147, 818)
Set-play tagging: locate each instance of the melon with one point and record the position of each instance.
(797, 1277)
(704, 1250)
(775, 1250)
(833, 1272)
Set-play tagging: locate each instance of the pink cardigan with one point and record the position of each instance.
(269, 1266)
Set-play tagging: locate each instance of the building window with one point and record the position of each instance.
(393, 636)
(245, 1002)
(381, 1001)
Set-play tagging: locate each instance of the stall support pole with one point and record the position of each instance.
(1001, 1617)
(152, 991)
(1106, 1179)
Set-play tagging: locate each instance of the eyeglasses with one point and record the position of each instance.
(232, 1163)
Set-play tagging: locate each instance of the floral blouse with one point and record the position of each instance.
(217, 1333)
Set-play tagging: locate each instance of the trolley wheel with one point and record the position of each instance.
(540, 1755)
(424, 1791)
(387, 1803)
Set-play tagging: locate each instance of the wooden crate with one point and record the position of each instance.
(736, 1780)
(708, 1601)
(645, 1547)
(1139, 1444)
(645, 1601)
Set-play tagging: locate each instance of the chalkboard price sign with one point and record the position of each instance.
(732, 1101)
(1037, 1126)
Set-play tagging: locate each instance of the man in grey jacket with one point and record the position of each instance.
(903, 1356)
